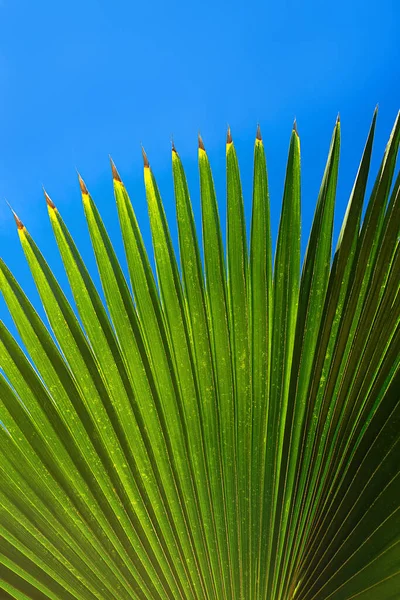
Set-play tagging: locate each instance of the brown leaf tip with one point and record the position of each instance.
(229, 136)
(201, 143)
(114, 171)
(145, 159)
(48, 199)
(18, 221)
(82, 185)
(173, 146)
(258, 134)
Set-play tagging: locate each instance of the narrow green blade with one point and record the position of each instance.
(193, 286)
(313, 286)
(260, 310)
(237, 276)
(217, 311)
(285, 301)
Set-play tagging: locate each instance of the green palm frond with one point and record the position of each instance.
(225, 428)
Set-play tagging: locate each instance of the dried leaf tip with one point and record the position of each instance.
(82, 184)
(173, 146)
(296, 131)
(48, 199)
(338, 119)
(145, 159)
(18, 221)
(115, 174)
(229, 136)
(258, 134)
(201, 143)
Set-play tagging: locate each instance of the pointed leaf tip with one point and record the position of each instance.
(173, 146)
(229, 136)
(296, 131)
(258, 134)
(83, 187)
(115, 174)
(201, 143)
(18, 221)
(145, 159)
(338, 119)
(48, 199)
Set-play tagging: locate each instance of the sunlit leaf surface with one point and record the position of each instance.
(225, 429)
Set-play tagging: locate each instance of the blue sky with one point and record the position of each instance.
(87, 78)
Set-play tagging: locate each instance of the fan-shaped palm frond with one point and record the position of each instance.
(227, 430)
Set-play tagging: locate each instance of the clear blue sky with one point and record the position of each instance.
(86, 78)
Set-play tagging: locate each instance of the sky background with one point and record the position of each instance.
(87, 78)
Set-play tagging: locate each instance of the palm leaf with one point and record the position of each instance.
(218, 429)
